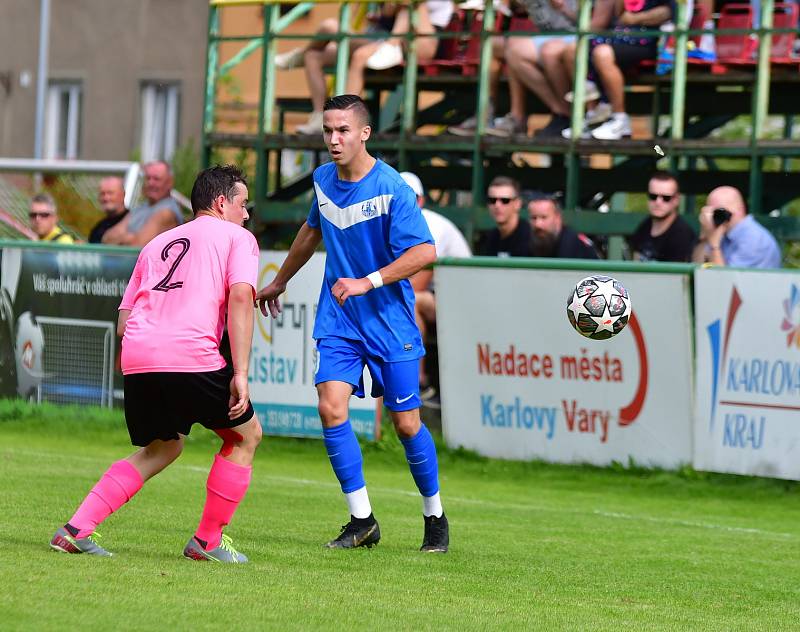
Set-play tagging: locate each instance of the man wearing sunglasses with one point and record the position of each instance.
(44, 220)
(511, 237)
(664, 235)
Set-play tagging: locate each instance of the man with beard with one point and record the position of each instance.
(551, 237)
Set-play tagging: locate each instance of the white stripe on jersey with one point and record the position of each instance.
(355, 213)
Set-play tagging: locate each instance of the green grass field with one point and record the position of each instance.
(533, 546)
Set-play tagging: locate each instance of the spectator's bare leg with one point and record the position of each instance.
(610, 76)
(358, 63)
(315, 60)
(522, 59)
(552, 54)
(498, 57)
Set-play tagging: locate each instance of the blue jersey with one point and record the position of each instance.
(366, 225)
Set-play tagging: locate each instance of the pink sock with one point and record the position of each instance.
(117, 486)
(226, 486)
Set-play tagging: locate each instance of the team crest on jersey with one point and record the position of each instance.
(369, 209)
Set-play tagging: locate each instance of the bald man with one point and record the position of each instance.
(729, 236)
(111, 197)
(160, 213)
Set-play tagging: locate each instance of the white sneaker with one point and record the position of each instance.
(290, 59)
(598, 114)
(618, 126)
(586, 132)
(592, 93)
(313, 126)
(386, 56)
(468, 127)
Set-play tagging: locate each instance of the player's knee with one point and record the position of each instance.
(406, 426)
(331, 412)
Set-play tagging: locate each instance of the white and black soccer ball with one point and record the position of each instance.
(599, 307)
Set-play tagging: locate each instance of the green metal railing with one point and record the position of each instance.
(678, 151)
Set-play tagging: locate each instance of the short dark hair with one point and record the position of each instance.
(542, 196)
(348, 102)
(215, 181)
(666, 176)
(504, 181)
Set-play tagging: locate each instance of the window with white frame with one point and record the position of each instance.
(62, 129)
(159, 125)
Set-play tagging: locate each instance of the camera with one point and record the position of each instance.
(721, 216)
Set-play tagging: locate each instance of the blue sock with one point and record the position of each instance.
(421, 457)
(345, 455)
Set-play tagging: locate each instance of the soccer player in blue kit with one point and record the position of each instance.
(375, 237)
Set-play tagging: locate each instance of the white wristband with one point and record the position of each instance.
(376, 279)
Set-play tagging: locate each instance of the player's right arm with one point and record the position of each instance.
(303, 246)
(240, 333)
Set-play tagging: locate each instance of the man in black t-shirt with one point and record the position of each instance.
(664, 235)
(553, 238)
(111, 196)
(512, 237)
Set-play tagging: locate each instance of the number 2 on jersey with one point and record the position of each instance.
(164, 284)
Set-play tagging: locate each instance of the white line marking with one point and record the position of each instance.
(478, 502)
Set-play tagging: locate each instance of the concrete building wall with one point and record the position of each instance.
(111, 47)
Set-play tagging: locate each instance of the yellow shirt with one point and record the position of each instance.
(58, 236)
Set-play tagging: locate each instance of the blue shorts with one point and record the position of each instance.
(343, 360)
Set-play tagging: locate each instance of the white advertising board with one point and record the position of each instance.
(519, 383)
(748, 372)
(283, 358)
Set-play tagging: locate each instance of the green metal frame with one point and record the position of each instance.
(679, 150)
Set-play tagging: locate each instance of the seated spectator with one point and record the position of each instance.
(729, 236)
(533, 63)
(610, 56)
(553, 238)
(449, 242)
(44, 220)
(159, 214)
(111, 196)
(433, 16)
(511, 237)
(321, 53)
(664, 235)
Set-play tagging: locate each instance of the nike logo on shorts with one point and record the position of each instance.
(405, 399)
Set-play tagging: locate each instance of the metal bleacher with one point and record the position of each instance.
(755, 74)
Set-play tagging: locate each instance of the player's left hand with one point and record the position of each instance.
(240, 395)
(345, 288)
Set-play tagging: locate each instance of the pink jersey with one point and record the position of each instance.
(178, 296)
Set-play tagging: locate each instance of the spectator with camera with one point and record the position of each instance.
(664, 235)
(730, 236)
(551, 236)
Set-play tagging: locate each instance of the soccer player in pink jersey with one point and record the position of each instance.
(186, 284)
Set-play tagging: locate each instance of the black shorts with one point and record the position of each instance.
(163, 405)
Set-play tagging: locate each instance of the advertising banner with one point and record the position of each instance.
(283, 359)
(519, 383)
(59, 321)
(748, 372)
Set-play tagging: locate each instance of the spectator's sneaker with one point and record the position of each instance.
(468, 127)
(290, 59)
(615, 128)
(437, 535)
(65, 542)
(387, 56)
(357, 532)
(586, 132)
(592, 93)
(434, 402)
(553, 129)
(598, 114)
(312, 127)
(507, 126)
(427, 392)
(222, 553)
